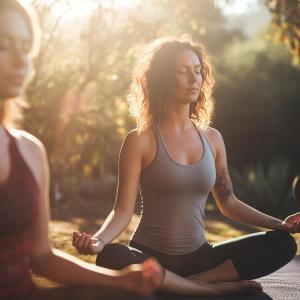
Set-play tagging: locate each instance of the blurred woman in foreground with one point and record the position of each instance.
(24, 184)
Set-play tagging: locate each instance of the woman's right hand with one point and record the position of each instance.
(142, 278)
(86, 243)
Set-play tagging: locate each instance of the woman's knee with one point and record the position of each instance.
(291, 245)
(287, 242)
(113, 256)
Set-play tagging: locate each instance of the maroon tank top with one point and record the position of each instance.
(19, 196)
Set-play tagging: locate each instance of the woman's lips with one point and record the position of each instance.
(193, 91)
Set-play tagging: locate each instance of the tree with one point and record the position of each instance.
(258, 106)
(77, 98)
(286, 20)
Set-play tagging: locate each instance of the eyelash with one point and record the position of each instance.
(182, 72)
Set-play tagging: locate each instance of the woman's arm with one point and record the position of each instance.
(67, 269)
(228, 203)
(130, 166)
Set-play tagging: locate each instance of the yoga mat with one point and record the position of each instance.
(285, 283)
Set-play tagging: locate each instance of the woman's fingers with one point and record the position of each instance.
(86, 244)
(153, 270)
(294, 227)
(295, 217)
(75, 239)
(297, 226)
(81, 242)
(142, 278)
(291, 225)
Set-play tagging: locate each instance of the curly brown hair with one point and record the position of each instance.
(153, 80)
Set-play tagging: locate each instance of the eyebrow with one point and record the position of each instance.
(186, 66)
(181, 65)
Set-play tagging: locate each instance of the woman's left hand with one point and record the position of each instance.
(292, 223)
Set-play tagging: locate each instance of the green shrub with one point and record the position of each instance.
(269, 189)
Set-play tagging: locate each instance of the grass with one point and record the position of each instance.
(64, 223)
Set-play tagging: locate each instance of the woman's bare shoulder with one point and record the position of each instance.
(28, 141)
(212, 133)
(215, 139)
(138, 139)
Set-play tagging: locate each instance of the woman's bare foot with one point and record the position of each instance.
(142, 278)
(236, 287)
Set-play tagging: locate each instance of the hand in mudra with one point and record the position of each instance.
(292, 223)
(142, 278)
(86, 243)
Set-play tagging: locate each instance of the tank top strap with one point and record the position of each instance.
(202, 138)
(159, 140)
(205, 141)
(13, 147)
(16, 158)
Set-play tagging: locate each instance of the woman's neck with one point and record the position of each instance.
(3, 136)
(177, 118)
(4, 112)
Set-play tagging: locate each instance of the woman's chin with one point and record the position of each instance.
(192, 100)
(10, 94)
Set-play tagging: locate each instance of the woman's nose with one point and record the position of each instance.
(192, 77)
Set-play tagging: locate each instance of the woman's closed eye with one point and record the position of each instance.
(181, 70)
(7, 43)
(197, 70)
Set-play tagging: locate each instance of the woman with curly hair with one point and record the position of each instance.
(24, 186)
(174, 159)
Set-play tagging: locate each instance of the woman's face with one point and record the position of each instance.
(188, 78)
(15, 46)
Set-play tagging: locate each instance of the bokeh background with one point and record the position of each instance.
(78, 97)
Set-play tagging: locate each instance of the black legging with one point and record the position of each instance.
(254, 255)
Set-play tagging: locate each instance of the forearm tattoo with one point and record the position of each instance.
(223, 185)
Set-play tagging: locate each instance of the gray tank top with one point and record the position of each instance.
(174, 197)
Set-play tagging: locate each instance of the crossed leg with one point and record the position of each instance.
(230, 267)
(200, 284)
